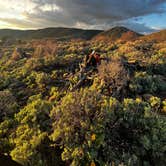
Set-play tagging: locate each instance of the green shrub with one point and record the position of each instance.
(78, 120)
(93, 129)
(145, 83)
(33, 128)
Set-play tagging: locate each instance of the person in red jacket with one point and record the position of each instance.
(92, 60)
(98, 59)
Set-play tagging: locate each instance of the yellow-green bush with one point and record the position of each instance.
(91, 128)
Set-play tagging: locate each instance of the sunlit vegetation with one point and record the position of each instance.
(117, 117)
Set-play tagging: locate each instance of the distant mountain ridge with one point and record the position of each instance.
(113, 34)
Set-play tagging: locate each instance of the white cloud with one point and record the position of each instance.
(50, 7)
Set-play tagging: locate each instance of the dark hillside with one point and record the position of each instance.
(57, 33)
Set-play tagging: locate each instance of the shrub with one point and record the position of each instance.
(8, 104)
(33, 125)
(113, 76)
(98, 130)
(6, 128)
(145, 83)
(77, 126)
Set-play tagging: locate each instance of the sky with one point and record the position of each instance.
(143, 16)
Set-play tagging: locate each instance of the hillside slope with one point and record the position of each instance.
(57, 33)
(157, 36)
(117, 33)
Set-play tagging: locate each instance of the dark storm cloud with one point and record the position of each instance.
(114, 10)
(110, 9)
(97, 13)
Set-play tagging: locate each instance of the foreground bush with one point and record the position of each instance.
(33, 124)
(97, 130)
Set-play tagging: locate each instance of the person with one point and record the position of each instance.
(89, 65)
(92, 60)
(98, 59)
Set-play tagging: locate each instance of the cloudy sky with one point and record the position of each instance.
(140, 15)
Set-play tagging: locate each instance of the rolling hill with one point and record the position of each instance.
(57, 33)
(117, 33)
(157, 36)
(113, 34)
